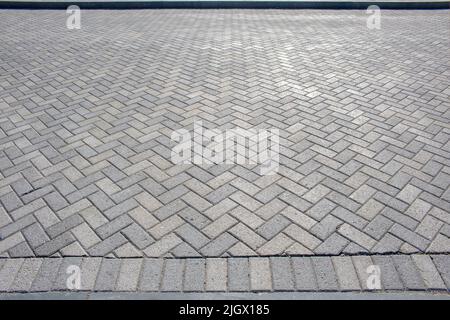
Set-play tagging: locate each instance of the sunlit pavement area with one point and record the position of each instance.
(87, 180)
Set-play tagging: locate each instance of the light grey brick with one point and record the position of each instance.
(60, 282)
(160, 247)
(356, 236)
(272, 227)
(8, 273)
(326, 227)
(89, 270)
(388, 243)
(346, 274)
(26, 275)
(194, 237)
(216, 274)
(361, 264)
(282, 275)
(428, 272)
(410, 237)
(390, 279)
(129, 274)
(238, 274)
(305, 278)
(260, 274)
(321, 209)
(442, 263)
(35, 235)
(151, 275)
(378, 227)
(325, 274)
(172, 279)
(247, 236)
(194, 275)
(46, 275)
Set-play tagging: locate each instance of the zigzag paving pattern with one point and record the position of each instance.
(86, 118)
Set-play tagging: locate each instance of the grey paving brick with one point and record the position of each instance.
(378, 227)
(219, 245)
(282, 275)
(35, 235)
(107, 275)
(114, 226)
(326, 227)
(137, 236)
(46, 275)
(192, 236)
(238, 274)
(8, 273)
(16, 226)
(260, 274)
(356, 236)
(172, 279)
(194, 275)
(151, 275)
(26, 275)
(61, 279)
(272, 227)
(325, 274)
(129, 275)
(409, 236)
(442, 263)
(216, 274)
(89, 270)
(346, 274)
(305, 278)
(362, 264)
(162, 246)
(390, 279)
(107, 245)
(321, 209)
(428, 272)
(52, 246)
(408, 273)
(64, 225)
(334, 245)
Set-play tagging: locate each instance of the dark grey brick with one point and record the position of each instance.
(408, 273)
(107, 275)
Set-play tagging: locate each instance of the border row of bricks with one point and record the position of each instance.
(254, 274)
(227, 4)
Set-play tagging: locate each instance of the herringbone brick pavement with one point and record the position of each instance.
(86, 117)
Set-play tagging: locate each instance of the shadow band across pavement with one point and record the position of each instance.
(226, 4)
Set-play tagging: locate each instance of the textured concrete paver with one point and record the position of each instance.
(254, 274)
(86, 118)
